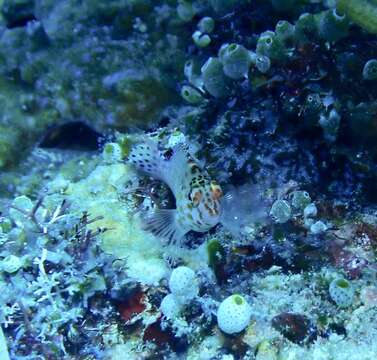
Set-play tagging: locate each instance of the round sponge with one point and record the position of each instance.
(170, 307)
(234, 314)
(342, 292)
(183, 283)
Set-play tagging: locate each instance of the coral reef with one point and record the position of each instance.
(276, 101)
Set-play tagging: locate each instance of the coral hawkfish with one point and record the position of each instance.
(197, 197)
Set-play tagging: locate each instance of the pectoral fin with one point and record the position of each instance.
(163, 224)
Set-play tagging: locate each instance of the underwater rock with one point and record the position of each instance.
(17, 13)
(132, 306)
(295, 327)
(164, 337)
(74, 135)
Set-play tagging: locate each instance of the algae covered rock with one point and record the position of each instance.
(295, 327)
(362, 12)
(17, 12)
(98, 195)
(9, 139)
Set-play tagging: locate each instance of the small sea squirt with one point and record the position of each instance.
(197, 197)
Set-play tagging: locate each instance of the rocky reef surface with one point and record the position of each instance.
(276, 100)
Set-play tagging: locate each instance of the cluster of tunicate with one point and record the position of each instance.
(370, 70)
(342, 292)
(184, 287)
(287, 79)
(201, 37)
(214, 79)
(232, 62)
(271, 45)
(332, 26)
(235, 60)
(315, 226)
(233, 314)
(281, 211)
(300, 199)
(279, 45)
(298, 204)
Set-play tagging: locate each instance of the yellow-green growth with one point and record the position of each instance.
(5, 225)
(238, 299)
(361, 12)
(216, 253)
(216, 259)
(342, 283)
(108, 149)
(125, 144)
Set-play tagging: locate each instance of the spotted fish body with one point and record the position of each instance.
(197, 197)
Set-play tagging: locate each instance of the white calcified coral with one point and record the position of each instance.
(11, 264)
(3, 346)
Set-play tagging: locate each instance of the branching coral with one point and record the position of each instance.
(61, 274)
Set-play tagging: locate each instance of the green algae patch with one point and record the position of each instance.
(361, 12)
(8, 139)
(19, 126)
(98, 194)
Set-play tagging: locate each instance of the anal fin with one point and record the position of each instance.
(162, 223)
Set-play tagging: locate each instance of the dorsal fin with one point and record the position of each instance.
(147, 158)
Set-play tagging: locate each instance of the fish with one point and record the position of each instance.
(197, 196)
